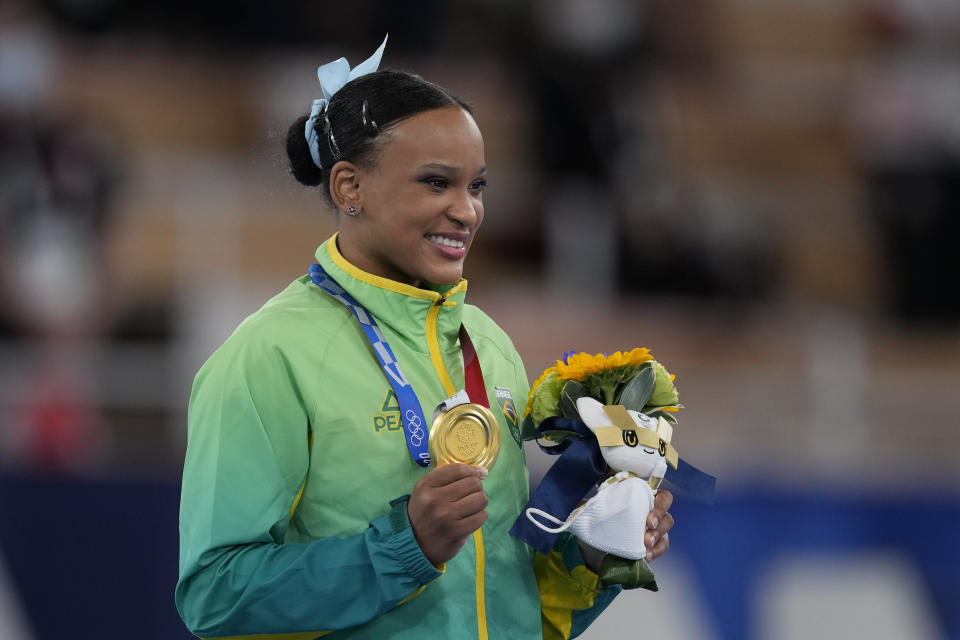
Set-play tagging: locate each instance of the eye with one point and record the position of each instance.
(478, 186)
(437, 183)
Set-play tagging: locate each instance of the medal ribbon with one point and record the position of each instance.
(411, 411)
(472, 375)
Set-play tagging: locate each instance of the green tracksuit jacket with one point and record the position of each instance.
(293, 520)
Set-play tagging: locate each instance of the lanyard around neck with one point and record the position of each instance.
(472, 374)
(411, 411)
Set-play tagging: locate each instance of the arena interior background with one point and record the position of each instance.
(764, 192)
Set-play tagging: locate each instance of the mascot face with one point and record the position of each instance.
(640, 460)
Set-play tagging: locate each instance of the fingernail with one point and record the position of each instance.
(483, 472)
(655, 522)
(651, 540)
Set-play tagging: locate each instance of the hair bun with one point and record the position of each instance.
(301, 162)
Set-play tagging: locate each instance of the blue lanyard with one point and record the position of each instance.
(410, 410)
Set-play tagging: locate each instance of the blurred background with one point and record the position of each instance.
(764, 192)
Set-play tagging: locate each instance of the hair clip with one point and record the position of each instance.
(328, 131)
(369, 124)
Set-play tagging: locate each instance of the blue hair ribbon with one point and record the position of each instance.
(332, 77)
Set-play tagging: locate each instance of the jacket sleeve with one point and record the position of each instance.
(570, 599)
(247, 459)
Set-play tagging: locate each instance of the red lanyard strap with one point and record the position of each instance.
(472, 375)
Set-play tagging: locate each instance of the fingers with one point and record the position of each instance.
(462, 488)
(663, 500)
(469, 524)
(469, 505)
(660, 548)
(452, 483)
(652, 539)
(659, 523)
(448, 473)
(445, 507)
(655, 519)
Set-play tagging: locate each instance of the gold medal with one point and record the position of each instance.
(466, 434)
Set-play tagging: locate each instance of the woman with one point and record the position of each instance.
(302, 512)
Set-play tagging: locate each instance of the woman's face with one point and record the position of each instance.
(422, 202)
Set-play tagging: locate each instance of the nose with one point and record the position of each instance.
(466, 209)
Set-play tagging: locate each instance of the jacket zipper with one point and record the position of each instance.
(433, 342)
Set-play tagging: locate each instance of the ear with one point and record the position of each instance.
(345, 184)
(592, 414)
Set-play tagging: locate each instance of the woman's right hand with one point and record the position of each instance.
(446, 506)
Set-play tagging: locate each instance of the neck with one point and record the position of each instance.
(360, 261)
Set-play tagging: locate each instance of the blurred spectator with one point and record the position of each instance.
(54, 188)
(578, 53)
(906, 115)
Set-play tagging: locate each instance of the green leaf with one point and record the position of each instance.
(666, 415)
(572, 391)
(635, 395)
(629, 573)
(650, 409)
(559, 435)
(543, 402)
(528, 429)
(568, 409)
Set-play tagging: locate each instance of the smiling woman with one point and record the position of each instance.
(314, 499)
(403, 159)
(419, 207)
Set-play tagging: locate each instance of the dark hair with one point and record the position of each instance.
(358, 115)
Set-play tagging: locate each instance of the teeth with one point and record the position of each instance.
(445, 241)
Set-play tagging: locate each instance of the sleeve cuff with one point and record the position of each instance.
(404, 545)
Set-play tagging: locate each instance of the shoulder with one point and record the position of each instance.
(302, 304)
(481, 324)
(299, 315)
(484, 330)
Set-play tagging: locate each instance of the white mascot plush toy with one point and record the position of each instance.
(637, 449)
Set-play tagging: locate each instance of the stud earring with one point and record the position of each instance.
(352, 210)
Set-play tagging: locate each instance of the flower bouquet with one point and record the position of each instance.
(633, 379)
(610, 418)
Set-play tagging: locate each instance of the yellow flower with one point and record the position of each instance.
(580, 365)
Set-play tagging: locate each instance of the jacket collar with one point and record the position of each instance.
(405, 309)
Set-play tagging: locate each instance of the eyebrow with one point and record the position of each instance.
(439, 166)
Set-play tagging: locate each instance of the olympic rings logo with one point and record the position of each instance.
(414, 427)
(413, 420)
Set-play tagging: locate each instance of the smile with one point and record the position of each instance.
(446, 242)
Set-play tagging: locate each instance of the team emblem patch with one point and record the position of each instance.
(509, 409)
(387, 420)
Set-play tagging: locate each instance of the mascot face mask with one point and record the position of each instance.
(614, 520)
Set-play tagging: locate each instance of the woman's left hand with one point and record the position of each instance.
(659, 523)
